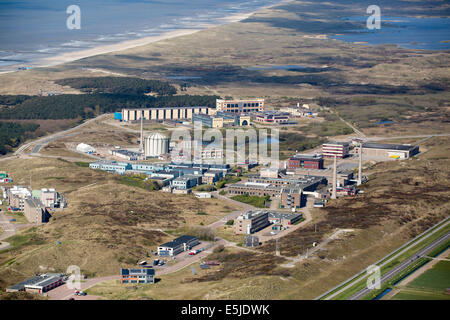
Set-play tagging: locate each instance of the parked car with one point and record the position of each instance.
(155, 262)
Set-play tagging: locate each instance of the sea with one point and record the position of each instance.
(31, 30)
(405, 32)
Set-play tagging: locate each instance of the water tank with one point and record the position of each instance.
(155, 145)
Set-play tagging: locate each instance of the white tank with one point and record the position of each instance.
(155, 145)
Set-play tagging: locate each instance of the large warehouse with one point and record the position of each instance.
(385, 150)
(175, 113)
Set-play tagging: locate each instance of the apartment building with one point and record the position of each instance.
(35, 211)
(251, 222)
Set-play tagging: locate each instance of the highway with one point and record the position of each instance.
(404, 265)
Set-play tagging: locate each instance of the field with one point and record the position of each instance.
(430, 285)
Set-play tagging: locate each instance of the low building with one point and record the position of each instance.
(178, 245)
(251, 222)
(126, 154)
(306, 183)
(144, 275)
(338, 149)
(222, 119)
(306, 161)
(211, 177)
(283, 218)
(203, 195)
(185, 182)
(38, 284)
(111, 166)
(272, 117)
(269, 172)
(385, 150)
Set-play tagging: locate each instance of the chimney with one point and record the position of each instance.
(360, 165)
(333, 195)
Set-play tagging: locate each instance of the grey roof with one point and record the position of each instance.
(42, 280)
(401, 147)
(132, 271)
(179, 241)
(283, 215)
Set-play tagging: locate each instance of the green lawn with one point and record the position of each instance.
(437, 278)
(259, 202)
(406, 294)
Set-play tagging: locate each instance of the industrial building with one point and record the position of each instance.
(163, 113)
(308, 161)
(178, 245)
(185, 182)
(240, 106)
(343, 176)
(384, 150)
(272, 117)
(156, 144)
(306, 183)
(111, 166)
(144, 275)
(38, 284)
(126, 154)
(338, 149)
(222, 119)
(251, 222)
(284, 218)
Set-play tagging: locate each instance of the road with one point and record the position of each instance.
(404, 265)
(347, 284)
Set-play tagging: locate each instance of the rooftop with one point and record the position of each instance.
(402, 147)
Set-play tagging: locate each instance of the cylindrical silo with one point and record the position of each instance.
(155, 145)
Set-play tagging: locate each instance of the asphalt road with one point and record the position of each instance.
(404, 265)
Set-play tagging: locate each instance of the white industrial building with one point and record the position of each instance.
(85, 148)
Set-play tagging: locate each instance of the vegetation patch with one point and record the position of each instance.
(259, 202)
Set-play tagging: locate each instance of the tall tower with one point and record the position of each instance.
(360, 165)
(333, 195)
(141, 147)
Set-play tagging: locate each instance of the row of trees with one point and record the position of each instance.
(72, 106)
(119, 85)
(12, 134)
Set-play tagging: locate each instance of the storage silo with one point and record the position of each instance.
(155, 145)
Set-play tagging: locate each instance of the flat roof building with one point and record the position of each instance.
(38, 284)
(251, 222)
(178, 245)
(308, 161)
(239, 106)
(338, 149)
(163, 113)
(385, 150)
(144, 275)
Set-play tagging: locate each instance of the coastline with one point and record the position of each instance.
(129, 44)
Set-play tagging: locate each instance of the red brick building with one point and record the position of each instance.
(306, 161)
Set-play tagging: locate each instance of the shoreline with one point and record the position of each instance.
(68, 57)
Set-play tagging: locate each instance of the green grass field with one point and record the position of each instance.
(431, 285)
(259, 202)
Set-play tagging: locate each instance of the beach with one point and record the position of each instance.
(98, 49)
